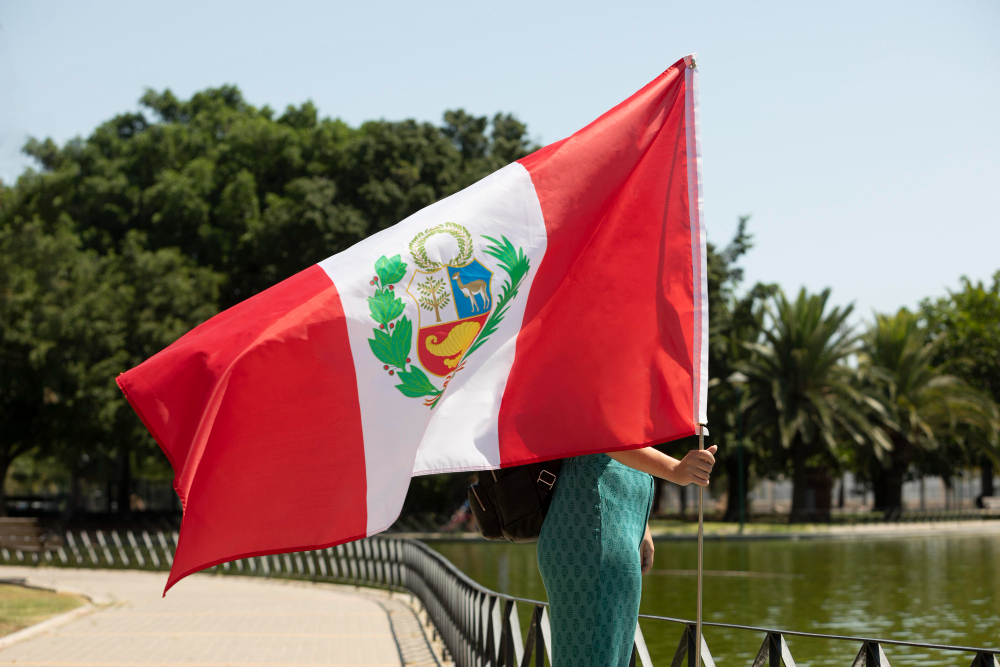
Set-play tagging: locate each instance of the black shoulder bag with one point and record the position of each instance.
(510, 503)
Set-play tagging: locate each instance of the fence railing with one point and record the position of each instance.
(476, 625)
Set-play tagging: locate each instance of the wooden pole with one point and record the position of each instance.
(701, 553)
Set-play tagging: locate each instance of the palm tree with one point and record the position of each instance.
(741, 323)
(921, 403)
(802, 388)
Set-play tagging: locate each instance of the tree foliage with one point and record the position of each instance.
(966, 326)
(803, 390)
(253, 197)
(735, 320)
(121, 242)
(71, 319)
(921, 403)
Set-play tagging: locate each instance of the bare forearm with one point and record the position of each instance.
(648, 460)
(694, 468)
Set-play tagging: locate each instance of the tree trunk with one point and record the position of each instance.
(812, 488)
(683, 499)
(75, 504)
(800, 483)
(733, 486)
(889, 493)
(987, 477)
(888, 481)
(732, 512)
(878, 486)
(5, 461)
(123, 480)
(878, 489)
(820, 493)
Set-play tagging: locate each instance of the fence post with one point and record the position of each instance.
(513, 648)
(985, 659)
(120, 547)
(686, 649)
(168, 553)
(135, 549)
(640, 648)
(773, 652)
(871, 655)
(153, 556)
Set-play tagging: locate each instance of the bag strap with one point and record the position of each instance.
(547, 476)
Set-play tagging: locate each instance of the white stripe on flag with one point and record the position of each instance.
(402, 435)
(699, 250)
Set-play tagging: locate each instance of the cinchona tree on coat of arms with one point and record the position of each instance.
(456, 306)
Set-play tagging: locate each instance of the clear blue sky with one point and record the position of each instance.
(862, 137)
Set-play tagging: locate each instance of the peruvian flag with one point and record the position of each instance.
(555, 308)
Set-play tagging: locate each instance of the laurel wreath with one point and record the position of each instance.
(394, 335)
(393, 339)
(458, 232)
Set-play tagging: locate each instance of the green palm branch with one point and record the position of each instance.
(516, 265)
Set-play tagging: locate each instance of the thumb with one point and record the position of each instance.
(713, 449)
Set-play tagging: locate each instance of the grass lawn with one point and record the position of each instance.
(21, 607)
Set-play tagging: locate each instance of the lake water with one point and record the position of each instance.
(928, 589)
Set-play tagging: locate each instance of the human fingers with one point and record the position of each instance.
(699, 476)
(707, 456)
(699, 464)
(702, 455)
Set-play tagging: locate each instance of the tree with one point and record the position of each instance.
(160, 295)
(921, 402)
(37, 281)
(70, 321)
(253, 196)
(433, 295)
(181, 210)
(733, 321)
(967, 326)
(801, 388)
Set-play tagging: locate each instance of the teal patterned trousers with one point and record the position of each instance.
(588, 556)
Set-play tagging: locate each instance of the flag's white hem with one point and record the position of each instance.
(698, 242)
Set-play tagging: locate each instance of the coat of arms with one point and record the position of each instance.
(456, 306)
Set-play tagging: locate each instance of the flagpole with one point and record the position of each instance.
(701, 551)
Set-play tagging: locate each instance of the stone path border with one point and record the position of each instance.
(47, 625)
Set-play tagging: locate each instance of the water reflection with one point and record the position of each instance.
(931, 589)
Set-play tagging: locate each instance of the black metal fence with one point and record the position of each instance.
(477, 626)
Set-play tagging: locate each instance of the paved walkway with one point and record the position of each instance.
(216, 621)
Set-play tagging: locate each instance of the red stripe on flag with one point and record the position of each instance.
(604, 357)
(257, 410)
